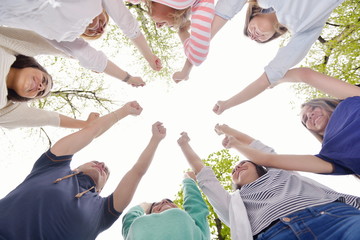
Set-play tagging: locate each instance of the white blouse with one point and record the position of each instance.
(63, 21)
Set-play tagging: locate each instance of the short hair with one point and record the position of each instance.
(20, 63)
(328, 104)
(253, 10)
(180, 16)
(97, 36)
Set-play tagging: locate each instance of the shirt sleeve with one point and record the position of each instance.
(87, 56)
(219, 198)
(129, 218)
(48, 158)
(21, 115)
(122, 17)
(195, 206)
(227, 9)
(258, 145)
(110, 214)
(291, 54)
(196, 47)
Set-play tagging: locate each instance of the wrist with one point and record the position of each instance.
(127, 77)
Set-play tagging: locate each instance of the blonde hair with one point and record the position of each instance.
(180, 16)
(97, 36)
(253, 10)
(327, 104)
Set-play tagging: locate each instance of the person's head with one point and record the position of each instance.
(163, 205)
(315, 115)
(262, 27)
(97, 171)
(246, 172)
(164, 15)
(27, 80)
(97, 27)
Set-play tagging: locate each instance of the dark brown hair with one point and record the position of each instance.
(20, 63)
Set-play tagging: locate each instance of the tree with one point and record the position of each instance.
(337, 51)
(222, 163)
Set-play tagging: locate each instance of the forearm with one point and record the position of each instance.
(183, 34)
(143, 46)
(329, 85)
(241, 137)
(113, 70)
(67, 122)
(192, 158)
(146, 157)
(78, 140)
(251, 91)
(217, 24)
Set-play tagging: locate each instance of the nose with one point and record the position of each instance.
(159, 25)
(310, 114)
(41, 87)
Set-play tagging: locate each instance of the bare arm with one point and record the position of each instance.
(124, 192)
(192, 158)
(68, 122)
(228, 131)
(217, 24)
(78, 140)
(329, 85)
(184, 73)
(251, 91)
(141, 43)
(307, 163)
(113, 70)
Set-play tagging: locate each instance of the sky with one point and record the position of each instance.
(233, 62)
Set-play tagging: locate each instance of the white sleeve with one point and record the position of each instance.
(88, 56)
(227, 9)
(258, 145)
(219, 198)
(21, 115)
(122, 17)
(290, 55)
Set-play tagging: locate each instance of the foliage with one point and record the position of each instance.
(222, 163)
(337, 51)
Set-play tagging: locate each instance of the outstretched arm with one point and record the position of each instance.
(113, 70)
(329, 85)
(68, 122)
(192, 158)
(217, 24)
(251, 91)
(141, 43)
(307, 163)
(124, 192)
(75, 142)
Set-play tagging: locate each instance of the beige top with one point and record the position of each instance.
(14, 114)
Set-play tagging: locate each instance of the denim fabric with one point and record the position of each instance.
(332, 221)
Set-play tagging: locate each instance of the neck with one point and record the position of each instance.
(10, 78)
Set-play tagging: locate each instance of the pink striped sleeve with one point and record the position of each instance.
(197, 46)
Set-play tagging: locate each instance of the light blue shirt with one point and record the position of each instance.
(304, 19)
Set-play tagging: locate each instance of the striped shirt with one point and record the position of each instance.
(197, 45)
(270, 197)
(280, 192)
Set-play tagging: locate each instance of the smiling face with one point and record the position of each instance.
(315, 119)
(261, 27)
(97, 27)
(244, 173)
(162, 15)
(98, 172)
(162, 206)
(29, 82)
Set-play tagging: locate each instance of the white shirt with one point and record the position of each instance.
(304, 19)
(63, 21)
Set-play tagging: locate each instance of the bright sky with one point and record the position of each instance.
(233, 63)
